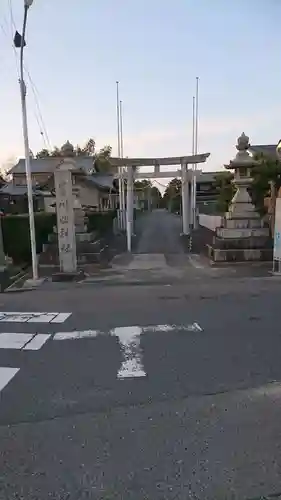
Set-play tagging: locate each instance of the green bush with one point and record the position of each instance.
(16, 235)
(100, 222)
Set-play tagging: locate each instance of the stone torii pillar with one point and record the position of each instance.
(185, 199)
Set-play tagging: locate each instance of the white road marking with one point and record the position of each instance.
(43, 318)
(6, 374)
(37, 342)
(194, 327)
(75, 335)
(14, 340)
(129, 338)
(23, 341)
(61, 317)
(33, 317)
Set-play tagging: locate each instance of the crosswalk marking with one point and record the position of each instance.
(33, 317)
(14, 340)
(23, 341)
(37, 342)
(6, 375)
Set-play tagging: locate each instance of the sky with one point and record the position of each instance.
(76, 50)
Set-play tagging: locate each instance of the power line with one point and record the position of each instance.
(39, 116)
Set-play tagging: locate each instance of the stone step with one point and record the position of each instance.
(89, 258)
(243, 224)
(243, 243)
(53, 238)
(240, 255)
(225, 233)
(83, 246)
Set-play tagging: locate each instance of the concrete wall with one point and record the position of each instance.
(210, 221)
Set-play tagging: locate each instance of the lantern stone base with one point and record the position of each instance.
(234, 244)
(239, 254)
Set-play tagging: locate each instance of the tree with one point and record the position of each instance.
(101, 158)
(172, 195)
(148, 192)
(266, 173)
(225, 189)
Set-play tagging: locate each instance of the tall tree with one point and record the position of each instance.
(172, 195)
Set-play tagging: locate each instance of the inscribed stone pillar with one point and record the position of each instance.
(65, 221)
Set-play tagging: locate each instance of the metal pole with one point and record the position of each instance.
(119, 150)
(191, 203)
(27, 153)
(123, 203)
(130, 208)
(196, 150)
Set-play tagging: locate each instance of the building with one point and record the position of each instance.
(268, 150)
(96, 190)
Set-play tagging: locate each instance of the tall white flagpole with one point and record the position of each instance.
(121, 208)
(196, 148)
(122, 168)
(191, 217)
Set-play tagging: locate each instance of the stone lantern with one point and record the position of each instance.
(242, 235)
(241, 208)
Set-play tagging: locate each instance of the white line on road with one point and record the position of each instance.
(37, 342)
(6, 374)
(61, 317)
(33, 317)
(14, 340)
(75, 335)
(23, 341)
(129, 338)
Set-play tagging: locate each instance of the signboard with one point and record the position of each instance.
(277, 231)
(65, 220)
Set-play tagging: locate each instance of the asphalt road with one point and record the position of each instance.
(159, 233)
(163, 391)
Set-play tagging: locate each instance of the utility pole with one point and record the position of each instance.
(27, 5)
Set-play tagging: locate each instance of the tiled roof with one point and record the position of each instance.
(48, 165)
(266, 149)
(102, 181)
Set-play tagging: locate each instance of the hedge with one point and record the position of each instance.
(100, 221)
(16, 235)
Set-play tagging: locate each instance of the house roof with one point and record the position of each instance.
(207, 176)
(13, 190)
(48, 165)
(265, 149)
(101, 181)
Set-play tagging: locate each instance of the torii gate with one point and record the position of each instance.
(188, 177)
